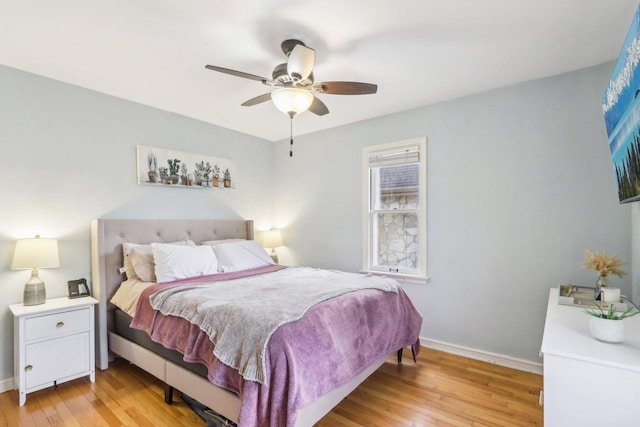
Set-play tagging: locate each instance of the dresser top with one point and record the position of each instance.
(566, 334)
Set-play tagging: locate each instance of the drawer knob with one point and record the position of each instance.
(59, 324)
(28, 368)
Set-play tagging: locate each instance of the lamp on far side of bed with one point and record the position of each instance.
(32, 254)
(272, 239)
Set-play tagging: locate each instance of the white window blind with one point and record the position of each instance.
(394, 157)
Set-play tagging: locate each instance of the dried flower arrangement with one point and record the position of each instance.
(605, 265)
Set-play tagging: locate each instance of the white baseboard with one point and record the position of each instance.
(484, 356)
(6, 385)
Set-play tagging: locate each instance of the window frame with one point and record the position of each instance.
(420, 275)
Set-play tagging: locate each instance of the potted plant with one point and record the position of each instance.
(206, 179)
(227, 178)
(202, 174)
(216, 175)
(607, 325)
(174, 169)
(164, 175)
(152, 161)
(198, 173)
(605, 265)
(183, 174)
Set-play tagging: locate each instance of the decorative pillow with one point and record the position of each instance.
(142, 260)
(128, 247)
(175, 262)
(218, 242)
(238, 256)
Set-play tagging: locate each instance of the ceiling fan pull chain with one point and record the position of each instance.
(291, 136)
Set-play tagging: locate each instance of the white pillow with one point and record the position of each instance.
(175, 262)
(128, 247)
(238, 256)
(218, 242)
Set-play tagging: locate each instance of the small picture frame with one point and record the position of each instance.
(78, 288)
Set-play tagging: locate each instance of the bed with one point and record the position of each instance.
(108, 236)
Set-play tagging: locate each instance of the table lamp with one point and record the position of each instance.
(35, 253)
(272, 239)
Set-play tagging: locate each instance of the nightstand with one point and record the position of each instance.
(53, 343)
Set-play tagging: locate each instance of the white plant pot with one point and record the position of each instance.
(606, 330)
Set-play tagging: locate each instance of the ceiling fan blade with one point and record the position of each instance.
(237, 73)
(318, 108)
(300, 63)
(345, 88)
(257, 100)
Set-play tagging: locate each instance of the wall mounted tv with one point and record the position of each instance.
(621, 108)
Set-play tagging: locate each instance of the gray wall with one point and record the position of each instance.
(67, 155)
(520, 183)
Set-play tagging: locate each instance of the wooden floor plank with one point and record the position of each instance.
(441, 390)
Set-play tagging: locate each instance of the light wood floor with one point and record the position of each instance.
(441, 390)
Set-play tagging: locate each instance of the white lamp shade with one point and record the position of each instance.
(271, 239)
(292, 101)
(37, 252)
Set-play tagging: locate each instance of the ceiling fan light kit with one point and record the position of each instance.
(292, 101)
(293, 83)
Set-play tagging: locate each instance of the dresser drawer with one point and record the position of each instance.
(58, 324)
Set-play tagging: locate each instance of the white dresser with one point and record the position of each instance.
(587, 382)
(53, 343)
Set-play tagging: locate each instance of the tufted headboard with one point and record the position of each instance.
(107, 236)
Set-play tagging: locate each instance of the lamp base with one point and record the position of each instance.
(274, 255)
(34, 290)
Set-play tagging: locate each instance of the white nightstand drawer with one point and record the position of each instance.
(57, 324)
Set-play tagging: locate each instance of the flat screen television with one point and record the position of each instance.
(621, 108)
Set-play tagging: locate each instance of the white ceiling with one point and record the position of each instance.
(418, 51)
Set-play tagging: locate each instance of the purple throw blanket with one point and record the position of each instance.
(305, 359)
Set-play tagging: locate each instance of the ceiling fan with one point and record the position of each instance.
(294, 84)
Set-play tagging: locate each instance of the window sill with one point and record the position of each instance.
(418, 280)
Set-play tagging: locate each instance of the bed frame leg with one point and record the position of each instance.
(399, 356)
(168, 394)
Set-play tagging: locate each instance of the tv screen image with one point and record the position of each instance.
(621, 109)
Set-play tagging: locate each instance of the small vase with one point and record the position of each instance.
(602, 282)
(606, 330)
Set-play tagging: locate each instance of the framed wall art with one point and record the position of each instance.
(163, 167)
(621, 108)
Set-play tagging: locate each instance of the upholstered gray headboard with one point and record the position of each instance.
(107, 236)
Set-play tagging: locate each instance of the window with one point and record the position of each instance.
(394, 209)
